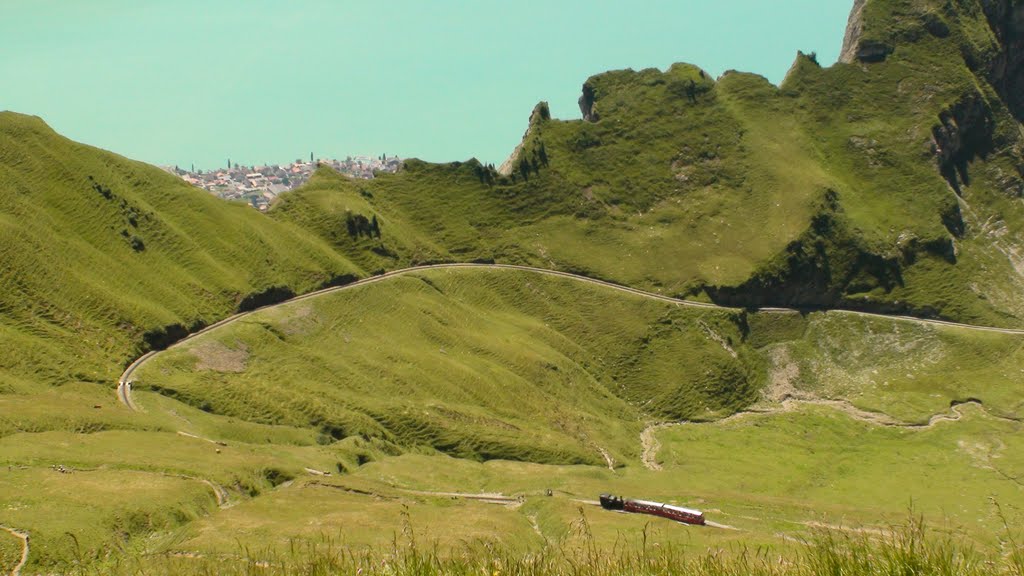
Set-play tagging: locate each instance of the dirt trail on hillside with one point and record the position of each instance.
(219, 492)
(782, 396)
(853, 529)
(536, 526)
(190, 435)
(23, 536)
(650, 444)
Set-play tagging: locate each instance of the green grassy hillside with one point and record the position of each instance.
(418, 392)
(482, 407)
(104, 257)
(880, 185)
(534, 375)
(483, 364)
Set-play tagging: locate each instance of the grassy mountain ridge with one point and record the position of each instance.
(103, 255)
(891, 184)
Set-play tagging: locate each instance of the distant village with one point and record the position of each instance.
(259, 185)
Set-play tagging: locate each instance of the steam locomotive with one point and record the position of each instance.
(677, 513)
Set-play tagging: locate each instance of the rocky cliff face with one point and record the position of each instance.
(988, 34)
(541, 113)
(586, 102)
(964, 132)
(1005, 70)
(1002, 63)
(854, 29)
(857, 48)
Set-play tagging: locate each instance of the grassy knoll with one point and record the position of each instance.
(481, 364)
(106, 494)
(761, 475)
(84, 516)
(821, 477)
(792, 474)
(818, 465)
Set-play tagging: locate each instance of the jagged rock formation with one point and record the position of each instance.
(818, 268)
(964, 133)
(586, 102)
(854, 27)
(856, 48)
(989, 36)
(1001, 59)
(541, 112)
(1005, 69)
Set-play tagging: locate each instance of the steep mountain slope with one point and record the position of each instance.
(890, 181)
(103, 257)
(476, 363)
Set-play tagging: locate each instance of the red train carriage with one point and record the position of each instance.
(677, 513)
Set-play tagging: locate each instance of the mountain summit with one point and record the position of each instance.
(890, 181)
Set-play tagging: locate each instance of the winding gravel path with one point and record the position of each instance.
(124, 388)
(23, 536)
(650, 445)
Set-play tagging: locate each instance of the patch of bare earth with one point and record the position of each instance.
(219, 357)
(784, 373)
(301, 321)
(649, 446)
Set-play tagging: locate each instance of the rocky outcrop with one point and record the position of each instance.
(1002, 64)
(162, 337)
(541, 113)
(815, 271)
(830, 266)
(964, 132)
(873, 51)
(854, 29)
(1005, 69)
(586, 101)
(856, 48)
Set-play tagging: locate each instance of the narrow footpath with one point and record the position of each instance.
(650, 445)
(23, 536)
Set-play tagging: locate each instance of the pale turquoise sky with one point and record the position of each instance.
(200, 81)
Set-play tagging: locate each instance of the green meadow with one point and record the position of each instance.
(215, 466)
(856, 468)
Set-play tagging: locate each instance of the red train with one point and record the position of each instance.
(677, 513)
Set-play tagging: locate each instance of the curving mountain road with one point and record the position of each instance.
(124, 383)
